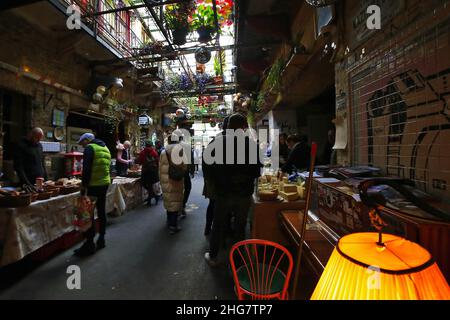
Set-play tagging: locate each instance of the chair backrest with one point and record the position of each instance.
(261, 269)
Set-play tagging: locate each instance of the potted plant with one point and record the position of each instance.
(177, 20)
(218, 67)
(203, 20)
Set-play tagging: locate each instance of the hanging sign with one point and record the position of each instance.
(145, 120)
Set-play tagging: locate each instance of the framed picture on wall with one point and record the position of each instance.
(59, 118)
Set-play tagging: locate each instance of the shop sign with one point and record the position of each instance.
(145, 120)
(389, 10)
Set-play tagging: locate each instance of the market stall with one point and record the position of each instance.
(26, 229)
(124, 194)
(274, 196)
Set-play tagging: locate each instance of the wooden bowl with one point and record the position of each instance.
(23, 200)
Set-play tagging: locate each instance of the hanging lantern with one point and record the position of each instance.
(202, 55)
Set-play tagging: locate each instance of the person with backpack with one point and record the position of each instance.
(149, 159)
(172, 170)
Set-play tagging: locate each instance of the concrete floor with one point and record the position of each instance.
(141, 261)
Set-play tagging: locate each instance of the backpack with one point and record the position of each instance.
(149, 163)
(176, 172)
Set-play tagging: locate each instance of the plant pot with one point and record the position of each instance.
(179, 36)
(218, 80)
(204, 35)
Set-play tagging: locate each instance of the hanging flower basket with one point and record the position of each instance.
(204, 34)
(179, 36)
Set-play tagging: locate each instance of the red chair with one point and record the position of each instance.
(261, 269)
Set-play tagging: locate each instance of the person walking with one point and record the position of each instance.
(209, 191)
(123, 159)
(234, 184)
(149, 159)
(172, 180)
(189, 175)
(95, 182)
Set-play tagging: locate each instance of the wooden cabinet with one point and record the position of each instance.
(265, 220)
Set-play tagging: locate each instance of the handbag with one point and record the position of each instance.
(157, 190)
(176, 173)
(84, 213)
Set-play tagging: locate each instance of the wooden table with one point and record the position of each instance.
(317, 249)
(265, 221)
(317, 246)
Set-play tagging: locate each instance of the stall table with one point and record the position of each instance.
(123, 195)
(265, 221)
(25, 230)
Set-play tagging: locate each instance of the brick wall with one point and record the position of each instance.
(395, 94)
(25, 45)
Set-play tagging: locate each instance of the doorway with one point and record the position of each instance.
(15, 115)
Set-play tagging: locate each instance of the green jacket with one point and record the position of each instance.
(99, 166)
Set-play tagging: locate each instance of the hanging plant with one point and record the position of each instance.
(201, 81)
(203, 21)
(177, 20)
(185, 82)
(260, 100)
(274, 75)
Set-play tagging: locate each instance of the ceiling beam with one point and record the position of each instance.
(11, 4)
(133, 7)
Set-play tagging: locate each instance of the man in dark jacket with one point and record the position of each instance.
(29, 159)
(95, 182)
(300, 155)
(234, 184)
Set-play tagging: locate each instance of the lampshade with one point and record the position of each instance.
(361, 269)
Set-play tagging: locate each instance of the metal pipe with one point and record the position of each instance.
(42, 79)
(133, 7)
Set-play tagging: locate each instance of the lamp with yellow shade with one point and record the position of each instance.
(362, 267)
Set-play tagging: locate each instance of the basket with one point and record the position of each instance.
(54, 190)
(24, 200)
(44, 195)
(34, 196)
(69, 190)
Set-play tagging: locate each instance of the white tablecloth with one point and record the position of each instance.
(25, 230)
